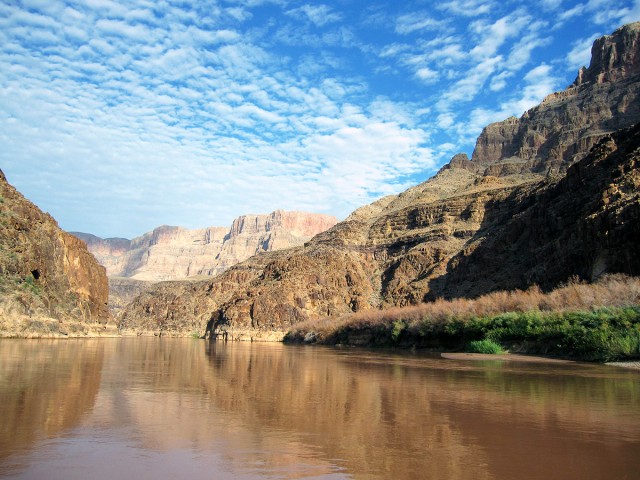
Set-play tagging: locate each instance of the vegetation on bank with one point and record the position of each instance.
(596, 322)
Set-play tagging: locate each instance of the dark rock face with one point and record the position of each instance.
(528, 208)
(45, 273)
(586, 224)
(122, 291)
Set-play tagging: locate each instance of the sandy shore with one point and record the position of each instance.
(635, 365)
(512, 357)
(527, 358)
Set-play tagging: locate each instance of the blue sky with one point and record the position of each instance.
(117, 117)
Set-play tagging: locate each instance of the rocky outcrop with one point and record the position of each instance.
(490, 223)
(50, 283)
(586, 224)
(561, 130)
(169, 253)
(122, 290)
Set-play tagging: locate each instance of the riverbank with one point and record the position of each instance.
(602, 335)
(591, 322)
(37, 326)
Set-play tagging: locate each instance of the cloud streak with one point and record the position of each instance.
(117, 118)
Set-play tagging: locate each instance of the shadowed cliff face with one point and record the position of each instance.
(45, 273)
(171, 253)
(586, 224)
(488, 224)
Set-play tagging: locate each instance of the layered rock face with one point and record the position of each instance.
(163, 254)
(50, 283)
(566, 125)
(170, 253)
(490, 223)
(586, 224)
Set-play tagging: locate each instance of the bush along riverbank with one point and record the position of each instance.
(570, 322)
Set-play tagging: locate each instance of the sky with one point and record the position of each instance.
(117, 117)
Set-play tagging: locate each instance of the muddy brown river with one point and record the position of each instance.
(163, 408)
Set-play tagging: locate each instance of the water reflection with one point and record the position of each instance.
(403, 416)
(161, 406)
(46, 386)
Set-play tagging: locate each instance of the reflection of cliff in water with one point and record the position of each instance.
(287, 412)
(374, 418)
(373, 413)
(46, 387)
(445, 419)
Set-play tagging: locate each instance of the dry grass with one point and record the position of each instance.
(611, 291)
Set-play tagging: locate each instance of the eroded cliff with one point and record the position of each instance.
(50, 283)
(605, 97)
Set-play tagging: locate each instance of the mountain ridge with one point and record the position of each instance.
(567, 124)
(423, 243)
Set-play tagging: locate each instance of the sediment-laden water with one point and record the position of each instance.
(185, 408)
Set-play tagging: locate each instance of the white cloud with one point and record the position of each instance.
(319, 15)
(416, 21)
(539, 82)
(521, 52)
(631, 13)
(119, 118)
(580, 53)
(426, 75)
(607, 13)
(468, 87)
(468, 8)
(446, 120)
(493, 35)
(551, 4)
(575, 11)
(499, 81)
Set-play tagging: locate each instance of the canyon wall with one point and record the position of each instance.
(49, 282)
(605, 97)
(169, 253)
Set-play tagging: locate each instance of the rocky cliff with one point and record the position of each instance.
(566, 125)
(529, 207)
(50, 283)
(169, 253)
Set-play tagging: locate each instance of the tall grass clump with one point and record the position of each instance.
(485, 346)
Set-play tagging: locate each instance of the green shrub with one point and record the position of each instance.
(485, 346)
(398, 327)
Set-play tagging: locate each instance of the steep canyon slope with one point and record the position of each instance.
(49, 283)
(531, 206)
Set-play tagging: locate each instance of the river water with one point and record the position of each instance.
(163, 408)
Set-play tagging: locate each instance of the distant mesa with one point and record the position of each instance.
(172, 253)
